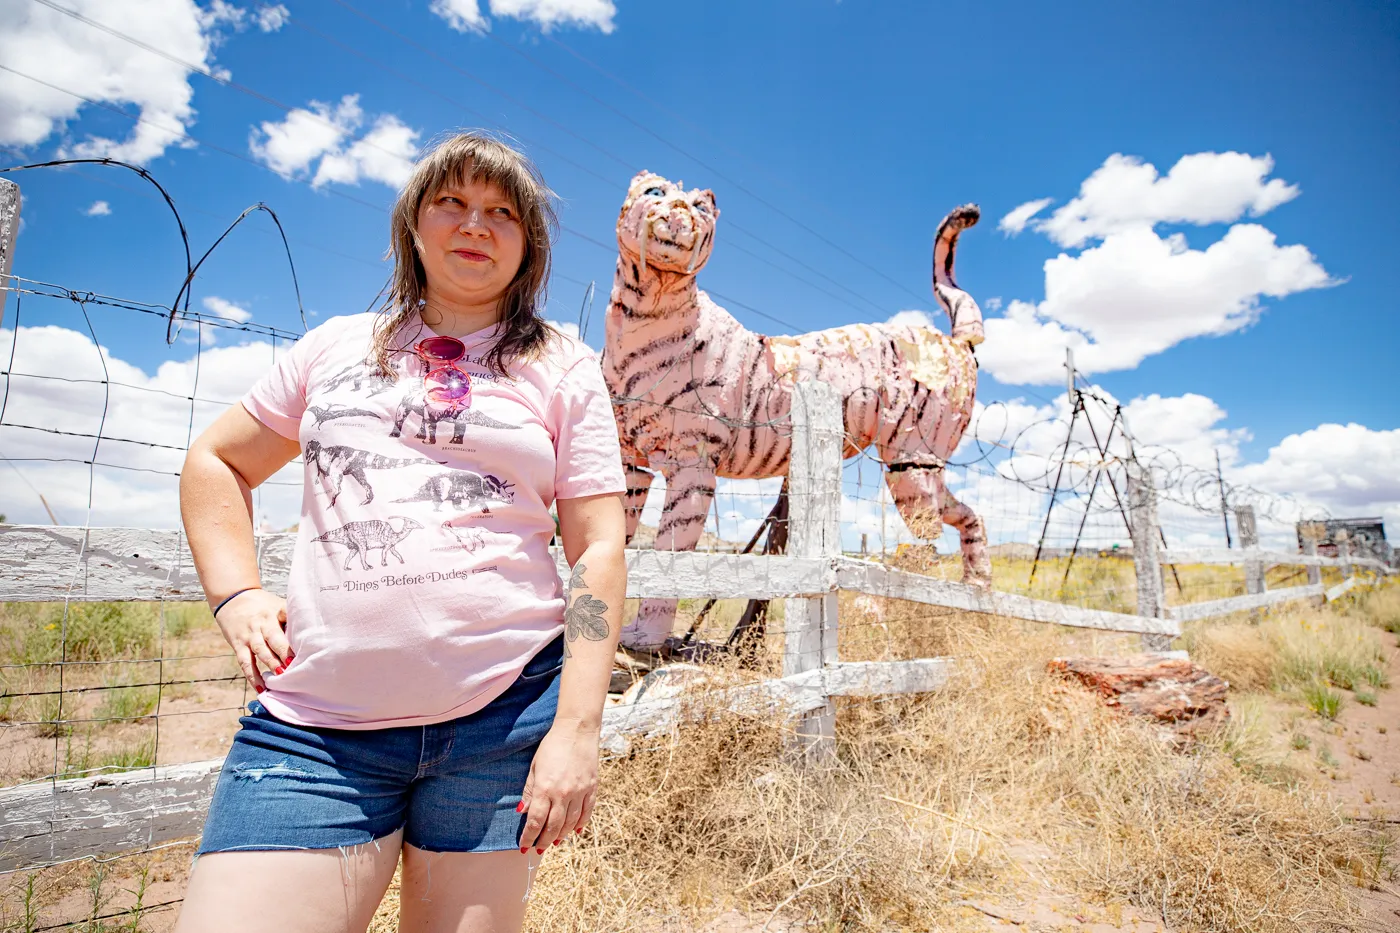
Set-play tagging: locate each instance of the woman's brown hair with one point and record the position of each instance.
(459, 160)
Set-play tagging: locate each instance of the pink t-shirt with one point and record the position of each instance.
(422, 582)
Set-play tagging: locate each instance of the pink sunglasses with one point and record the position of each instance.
(446, 388)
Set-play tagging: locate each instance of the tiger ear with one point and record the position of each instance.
(709, 195)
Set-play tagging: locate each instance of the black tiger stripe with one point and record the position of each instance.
(672, 521)
(654, 345)
(647, 372)
(749, 393)
(692, 386)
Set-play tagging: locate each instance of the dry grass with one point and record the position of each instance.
(1305, 650)
(1006, 759)
(1381, 606)
(1008, 782)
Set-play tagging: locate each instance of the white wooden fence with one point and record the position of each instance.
(55, 820)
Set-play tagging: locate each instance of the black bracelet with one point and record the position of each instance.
(230, 596)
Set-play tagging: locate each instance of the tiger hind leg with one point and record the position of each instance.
(977, 565)
(690, 490)
(918, 493)
(924, 502)
(638, 485)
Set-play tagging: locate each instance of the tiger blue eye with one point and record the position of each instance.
(654, 192)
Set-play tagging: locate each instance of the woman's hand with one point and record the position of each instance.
(562, 785)
(254, 625)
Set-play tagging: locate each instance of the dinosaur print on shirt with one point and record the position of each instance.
(363, 537)
(421, 579)
(325, 413)
(464, 486)
(428, 419)
(334, 462)
(357, 375)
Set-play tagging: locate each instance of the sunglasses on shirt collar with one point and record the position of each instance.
(447, 389)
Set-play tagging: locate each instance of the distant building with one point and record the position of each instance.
(1366, 537)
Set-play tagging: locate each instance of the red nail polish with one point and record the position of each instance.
(579, 830)
(520, 807)
(524, 849)
(557, 841)
(280, 669)
(260, 689)
(540, 851)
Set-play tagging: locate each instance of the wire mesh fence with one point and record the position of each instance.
(139, 681)
(87, 686)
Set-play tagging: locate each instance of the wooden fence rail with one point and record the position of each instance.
(57, 820)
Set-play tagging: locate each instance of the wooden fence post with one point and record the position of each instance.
(9, 231)
(1142, 513)
(1343, 539)
(1309, 533)
(1249, 538)
(814, 530)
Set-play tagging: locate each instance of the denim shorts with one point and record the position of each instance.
(451, 786)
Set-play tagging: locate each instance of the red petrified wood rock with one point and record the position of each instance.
(1167, 690)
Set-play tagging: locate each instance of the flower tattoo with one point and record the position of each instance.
(585, 616)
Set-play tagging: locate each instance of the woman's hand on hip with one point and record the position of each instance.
(254, 625)
(562, 785)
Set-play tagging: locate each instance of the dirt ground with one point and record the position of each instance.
(196, 719)
(1356, 758)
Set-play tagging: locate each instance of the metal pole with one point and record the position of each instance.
(9, 232)
(1224, 508)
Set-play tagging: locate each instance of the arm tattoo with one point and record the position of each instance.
(585, 616)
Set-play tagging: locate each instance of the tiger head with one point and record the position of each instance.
(666, 227)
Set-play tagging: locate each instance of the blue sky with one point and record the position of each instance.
(834, 133)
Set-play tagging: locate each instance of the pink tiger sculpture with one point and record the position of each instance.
(697, 396)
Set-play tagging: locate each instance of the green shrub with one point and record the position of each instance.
(139, 754)
(1322, 699)
(36, 633)
(123, 704)
(1365, 697)
(50, 718)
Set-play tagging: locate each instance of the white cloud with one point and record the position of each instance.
(551, 13)
(99, 209)
(305, 135)
(268, 18)
(126, 497)
(205, 332)
(58, 49)
(384, 154)
(1348, 469)
(912, 317)
(1014, 222)
(461, 15)
(466, 15)
(1126, 193)
(272, 18)
(50, 46)
(1136, 293)
(227, 309)
(321, 132)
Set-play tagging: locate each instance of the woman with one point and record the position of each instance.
(424, 689)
